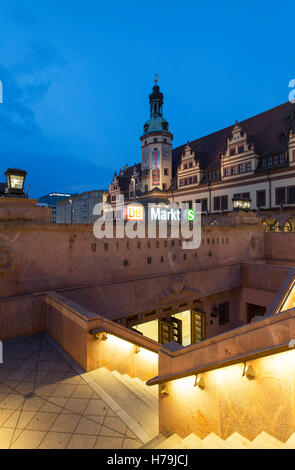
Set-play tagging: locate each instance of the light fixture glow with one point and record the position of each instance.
(136, 349)
(248, 371)
(163, 390)
(199, 382)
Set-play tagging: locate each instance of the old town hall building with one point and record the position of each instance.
(252, 159)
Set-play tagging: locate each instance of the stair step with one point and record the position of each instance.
(152, 389)
(192, 441)
(128, 400)
(153, 443)
(265, 441)
(139, 390)
(170, 443)
(212, 441)
(140, 385)
(236, 441)
(290, 443)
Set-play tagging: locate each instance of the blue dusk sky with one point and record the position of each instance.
(76, 78)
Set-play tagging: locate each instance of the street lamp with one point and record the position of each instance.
(71, 205)
(15, 180)
(241, 203)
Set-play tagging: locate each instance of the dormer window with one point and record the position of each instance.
(185, 166)
(190, 164)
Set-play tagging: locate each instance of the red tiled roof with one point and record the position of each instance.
(265, 130)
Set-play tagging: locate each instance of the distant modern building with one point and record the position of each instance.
(78, 209)
(2, 188)
(50, 200)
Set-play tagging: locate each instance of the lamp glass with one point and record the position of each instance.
(16, 182)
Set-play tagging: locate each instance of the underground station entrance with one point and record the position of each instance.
(186, 327)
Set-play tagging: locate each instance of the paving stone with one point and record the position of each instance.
(28, 440)
(82, 391)
(96, 407)
(5, 437)
(81, 441)
(131, 444)
(89, 425)
(55, 440)
(66, 422)
(42, 421)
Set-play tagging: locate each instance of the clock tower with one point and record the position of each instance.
(156, 146)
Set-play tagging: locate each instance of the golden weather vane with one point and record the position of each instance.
(156, 77)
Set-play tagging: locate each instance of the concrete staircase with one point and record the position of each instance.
(138, 400)
(212, 441)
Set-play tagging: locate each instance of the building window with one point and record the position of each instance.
(185, 166)
(146, 187)
(164, 187)
(249, 166)
(291, 195)
(166, 171)
(282, 158)
(195, 179)
(190, 165)
(165, 140)
(181, 182)
(223, 313)
(185, 181)
(280, 196)
(217, 203)
(155, 139)
(241, 149)
(232, 151)
(226, 171)
(234, 170)
(149, 260)
(204, 204)
(260, 198)
(246, 195)
(241, 168)
(224, 203)
(190, 180)
(264, 163)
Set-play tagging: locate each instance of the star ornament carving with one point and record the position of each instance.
(126, 262)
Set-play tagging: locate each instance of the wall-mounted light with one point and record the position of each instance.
(199, 382)
(136, 349)
(163, 389)
(101, 336)
(248, 371)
